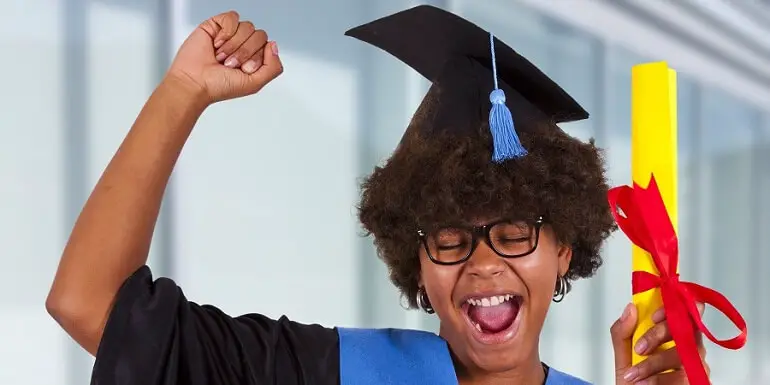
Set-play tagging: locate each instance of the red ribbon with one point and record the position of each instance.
(645, 221)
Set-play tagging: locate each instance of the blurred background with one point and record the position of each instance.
(260, 216)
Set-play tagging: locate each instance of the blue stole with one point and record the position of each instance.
(405, 357)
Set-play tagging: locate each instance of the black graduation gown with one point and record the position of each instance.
(155, 336)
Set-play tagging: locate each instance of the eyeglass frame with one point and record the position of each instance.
(483, 233)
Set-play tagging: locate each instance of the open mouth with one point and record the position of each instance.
(493, 318)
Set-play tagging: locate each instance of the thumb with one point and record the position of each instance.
(271, 68)
(622, 332)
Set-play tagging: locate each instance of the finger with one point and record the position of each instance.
(242, 34)
(254, 62)
(229, 23)
(622, 332)
(254, 43)
(271, 68)
(678, 377)
(653, 338)
(660, 314)
(221, 27)
(654, 364)
(646, 345)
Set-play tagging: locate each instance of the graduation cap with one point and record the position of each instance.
(475, 77)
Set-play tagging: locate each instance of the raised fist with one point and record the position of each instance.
(227, 58)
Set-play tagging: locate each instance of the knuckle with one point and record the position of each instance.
(620, 372)
(249, 26)
(645, 367)
(661, 331)
(656, 334)
(257, 59)
(232, 14)
(261, 34)
(210, 26)
(243, 54)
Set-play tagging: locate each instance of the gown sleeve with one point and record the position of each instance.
(155, 336)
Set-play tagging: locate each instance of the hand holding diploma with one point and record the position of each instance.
(642, 216)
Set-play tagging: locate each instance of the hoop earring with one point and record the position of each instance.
(561, 289)
(423, 301)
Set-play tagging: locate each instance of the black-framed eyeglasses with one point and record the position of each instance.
(451, 245)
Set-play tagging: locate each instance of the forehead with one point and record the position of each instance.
(481, 221)
(485, 220)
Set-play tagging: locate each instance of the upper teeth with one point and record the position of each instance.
(489, 301)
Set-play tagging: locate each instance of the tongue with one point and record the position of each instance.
(494, 319)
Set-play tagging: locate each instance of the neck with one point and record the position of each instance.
(530, 372)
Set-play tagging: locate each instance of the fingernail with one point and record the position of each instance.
(218, 43)
(659, 316)
(626, 312)
(641, 346)
(631, 374)
(274, 47)
(249, 67)
(231, 62)
(221, 56)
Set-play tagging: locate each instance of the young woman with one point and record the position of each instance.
(482, 217)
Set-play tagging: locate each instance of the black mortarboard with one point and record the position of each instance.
(471, 71)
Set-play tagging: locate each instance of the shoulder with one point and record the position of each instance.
(556, 377)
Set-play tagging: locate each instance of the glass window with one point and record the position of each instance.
(689, 195)
(728, 130)
(762, 328)
(32, 223)
(266, 187)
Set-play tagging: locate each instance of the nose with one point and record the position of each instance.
(484, 262)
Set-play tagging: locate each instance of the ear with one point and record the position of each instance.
(565, 257)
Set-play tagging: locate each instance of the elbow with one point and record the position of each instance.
(67, 311)
(60, 309)
(76, 319)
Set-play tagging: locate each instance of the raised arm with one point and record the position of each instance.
(111, 238)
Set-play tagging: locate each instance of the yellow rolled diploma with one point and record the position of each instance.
(653, 151)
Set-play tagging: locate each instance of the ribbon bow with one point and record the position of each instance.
(645, 221)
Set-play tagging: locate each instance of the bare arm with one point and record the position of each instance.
(111, 238)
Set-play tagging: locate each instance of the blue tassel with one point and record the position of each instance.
(505, 141)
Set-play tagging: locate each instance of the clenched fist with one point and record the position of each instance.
(226, 58)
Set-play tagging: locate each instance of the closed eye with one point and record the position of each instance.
(513, 240)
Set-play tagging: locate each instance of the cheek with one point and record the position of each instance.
(538, 272)
(439, 281)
